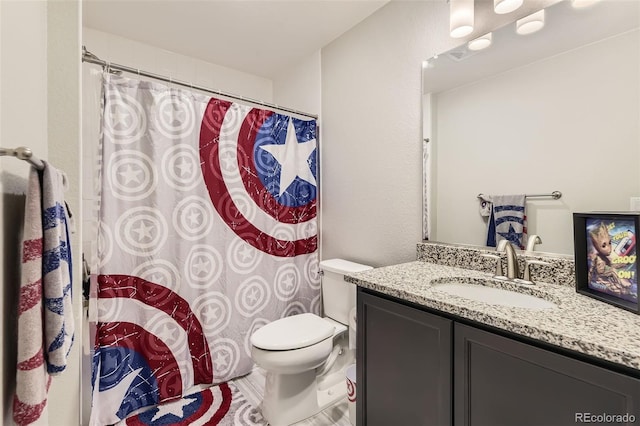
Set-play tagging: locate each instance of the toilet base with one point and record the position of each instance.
(290, 398)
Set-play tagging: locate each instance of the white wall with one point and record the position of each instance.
(65, 151)
(371, 121)
(39, 108)
(568, 123)
(299, 87)
(23, 121)
(134, 54)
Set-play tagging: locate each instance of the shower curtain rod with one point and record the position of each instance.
(93, 59)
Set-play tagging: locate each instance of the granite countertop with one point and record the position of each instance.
(578, 323)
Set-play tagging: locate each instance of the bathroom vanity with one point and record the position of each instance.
(427, 357)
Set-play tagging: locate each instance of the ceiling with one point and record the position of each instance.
(260, 37)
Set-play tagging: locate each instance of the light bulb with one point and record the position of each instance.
(530, 24)
(480, 43)
(506, 6)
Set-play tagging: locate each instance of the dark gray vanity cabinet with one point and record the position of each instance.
(502, 382)
(421, 368)
(404, 365)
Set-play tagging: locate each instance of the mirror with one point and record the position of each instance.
(556, 110)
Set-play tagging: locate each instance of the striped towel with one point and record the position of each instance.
(56, 271)
(507, 220)
(32, 379)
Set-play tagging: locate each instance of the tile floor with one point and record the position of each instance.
(252, 387)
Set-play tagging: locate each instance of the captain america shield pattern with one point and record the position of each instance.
(242, 149)
(203, 408)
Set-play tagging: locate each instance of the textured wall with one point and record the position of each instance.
(371, 141)
(23, 121)
(63, 128)
(299, 87)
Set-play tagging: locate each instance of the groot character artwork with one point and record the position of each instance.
(602, 271)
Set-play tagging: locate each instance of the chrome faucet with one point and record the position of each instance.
(513, 268)
(513, 271)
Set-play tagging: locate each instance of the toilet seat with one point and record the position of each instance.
(294, 332)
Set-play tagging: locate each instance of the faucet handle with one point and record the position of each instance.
(527, 270)
(499, 272)
(532, 241)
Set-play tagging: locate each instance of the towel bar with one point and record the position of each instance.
(555, 195)
(23, 153)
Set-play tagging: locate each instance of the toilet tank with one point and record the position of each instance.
(339, 296)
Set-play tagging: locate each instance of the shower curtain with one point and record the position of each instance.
(207, 231)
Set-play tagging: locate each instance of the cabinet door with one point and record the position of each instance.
(503, 382)
(403, 365)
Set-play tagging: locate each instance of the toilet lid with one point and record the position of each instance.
(294, 332)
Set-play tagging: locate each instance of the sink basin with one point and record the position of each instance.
(479, 292)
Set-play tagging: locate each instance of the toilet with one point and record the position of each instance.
(305, 356)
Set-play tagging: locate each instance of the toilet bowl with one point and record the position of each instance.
(293, 344)
(305, 356)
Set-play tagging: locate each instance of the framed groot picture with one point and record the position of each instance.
(606, 262)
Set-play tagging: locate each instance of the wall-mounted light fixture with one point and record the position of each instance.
(530, 24)
(480, 43)
(460, 17)
(506, 6)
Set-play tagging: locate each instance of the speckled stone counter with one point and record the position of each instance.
(578, 323)
(557, 268)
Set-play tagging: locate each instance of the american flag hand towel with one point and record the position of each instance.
(56, 271)
(507, 220)
(32, 379)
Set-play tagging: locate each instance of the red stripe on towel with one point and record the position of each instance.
(25, 414)
(31, 249)
(34, 362)
(30, 296)
(523, 240)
